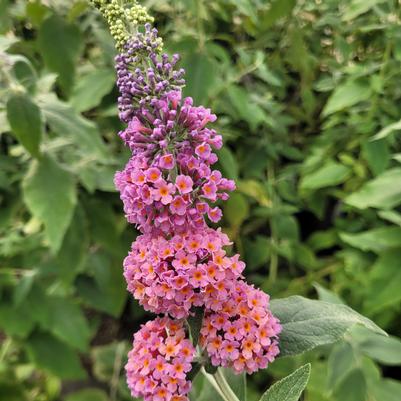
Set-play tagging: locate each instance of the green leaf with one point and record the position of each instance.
(50, 194)
(385, 350)
(77, 9)
(327, 295)
(341, 361)
(60, 316)
(323, 240)
(25, 121)
(228, 163)
(377, 155)
(286, 226)
(357, 7)
(106, 291)
(101, 177)
(346, 95)
(256, 190)
(74, 249)
(308, 323)
(383, 133)
(397, 157)
(352, 387)
(385, 282)
(298, 253)
(246, 7)
(15, 320)
(278, 9)
(6, 41)
(67, 123)
(66, 321)
(376, 240)
(383, 192)
(257, 251)
(200, 76)
(299, 57)
(60, 44)
(91, 88)
(386, 390)
(236, 209)
(290, 388)
(23, 287)
(263, 72)
(244, 108)
(12, 391)
(330, 174)
(36, 12)
(25, 73)
(5, 20)
(51, 354)
(391, 216)
(104, 226)
(104, 359)
(87, 394)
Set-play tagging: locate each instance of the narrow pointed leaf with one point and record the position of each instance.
(290, 388)
(25, 121)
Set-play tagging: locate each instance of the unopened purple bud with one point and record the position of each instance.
(163, 144)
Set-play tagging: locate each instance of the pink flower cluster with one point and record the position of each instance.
(169, 191)
(159, 361)
(242, 334)
(168, 185)
(191, 269)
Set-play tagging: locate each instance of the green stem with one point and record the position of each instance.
(225, 387)
(211, 379)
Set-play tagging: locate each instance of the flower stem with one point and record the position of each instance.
(225, 387)
(211, 379)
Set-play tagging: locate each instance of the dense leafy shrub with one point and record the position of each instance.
(307, 96)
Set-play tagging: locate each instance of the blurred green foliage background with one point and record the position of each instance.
(308, 96)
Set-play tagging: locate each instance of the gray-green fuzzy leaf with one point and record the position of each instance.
(290, 388)
(308, 323)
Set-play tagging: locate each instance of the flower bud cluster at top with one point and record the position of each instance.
(169, 190)
(120, 17)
